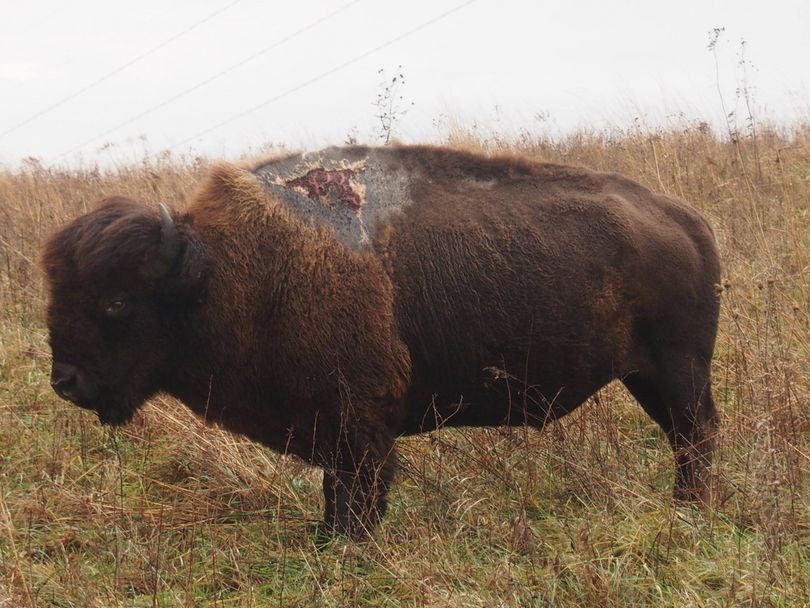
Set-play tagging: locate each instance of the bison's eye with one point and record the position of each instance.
(116, 307)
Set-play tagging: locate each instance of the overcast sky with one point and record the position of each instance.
(94, 80)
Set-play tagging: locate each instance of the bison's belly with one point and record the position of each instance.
(526, 381)
(512, 354)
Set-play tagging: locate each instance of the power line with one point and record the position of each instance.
(109, 75)
(327, 73)
(210, 79)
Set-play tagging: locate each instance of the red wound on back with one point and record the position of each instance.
(324, 186)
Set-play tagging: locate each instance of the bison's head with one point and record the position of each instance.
(121, 278)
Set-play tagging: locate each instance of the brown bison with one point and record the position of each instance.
(325, 304)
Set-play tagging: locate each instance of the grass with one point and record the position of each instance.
(167, 512)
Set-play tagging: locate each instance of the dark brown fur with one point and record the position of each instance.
(553, 280)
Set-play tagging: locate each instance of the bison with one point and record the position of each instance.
(324, 304)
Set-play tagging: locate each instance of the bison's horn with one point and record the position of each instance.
(168, 249)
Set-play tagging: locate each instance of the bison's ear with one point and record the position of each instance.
(165, 257)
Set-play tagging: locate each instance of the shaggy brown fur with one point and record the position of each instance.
(487, 278)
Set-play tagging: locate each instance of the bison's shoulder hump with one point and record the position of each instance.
(351, 190)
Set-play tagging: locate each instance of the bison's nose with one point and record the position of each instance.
(65, 381)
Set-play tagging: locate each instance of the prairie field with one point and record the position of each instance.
(169, 512)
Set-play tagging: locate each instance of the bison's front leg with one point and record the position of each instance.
(355, 487)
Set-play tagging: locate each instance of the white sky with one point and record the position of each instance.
(496, 64)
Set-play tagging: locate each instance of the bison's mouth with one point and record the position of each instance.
(110, 411)
(113, 406)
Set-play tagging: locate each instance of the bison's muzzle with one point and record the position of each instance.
(69, 382)
(74, 385)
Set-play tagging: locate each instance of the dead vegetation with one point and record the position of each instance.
(166, 512)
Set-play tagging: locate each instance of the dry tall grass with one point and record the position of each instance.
(167, 512)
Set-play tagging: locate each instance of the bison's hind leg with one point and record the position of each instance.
(677, 395)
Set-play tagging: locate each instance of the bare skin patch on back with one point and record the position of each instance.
(322, 185)
(352, 194)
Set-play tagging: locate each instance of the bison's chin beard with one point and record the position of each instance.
(118, 413)
(115, 416)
